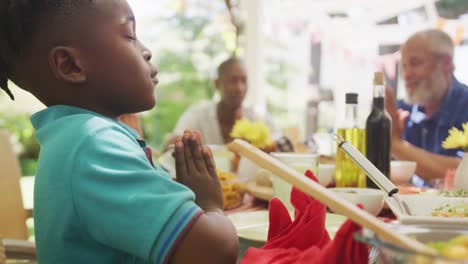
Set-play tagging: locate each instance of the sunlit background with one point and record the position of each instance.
(302, 56)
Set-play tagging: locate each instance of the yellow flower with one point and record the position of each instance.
(240, 129)
(465, 129)
(457, 138)
(256, 133)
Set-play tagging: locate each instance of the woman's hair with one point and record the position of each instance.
(19, 20)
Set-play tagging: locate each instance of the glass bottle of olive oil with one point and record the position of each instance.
(348, 174)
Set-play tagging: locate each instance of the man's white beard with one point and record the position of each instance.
(429, 91)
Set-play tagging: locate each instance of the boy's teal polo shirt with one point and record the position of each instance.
(97, 198)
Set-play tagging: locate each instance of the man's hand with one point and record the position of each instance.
(398, 116)
(195, 168)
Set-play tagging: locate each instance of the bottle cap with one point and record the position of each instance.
(378, 78)
(351, 98)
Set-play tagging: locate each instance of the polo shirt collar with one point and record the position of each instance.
(53, 113)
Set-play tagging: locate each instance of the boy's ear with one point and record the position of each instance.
(67, 65)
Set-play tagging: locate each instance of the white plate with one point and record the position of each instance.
(253, 226)
(421, 207)
(261, 192)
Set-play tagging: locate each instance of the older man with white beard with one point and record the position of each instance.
(436, 101)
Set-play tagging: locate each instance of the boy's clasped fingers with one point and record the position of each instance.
(189, 159)
(198, 137)
(197, 154)
(196, 159)
(179, 155)
(196, 169)
(209, 162)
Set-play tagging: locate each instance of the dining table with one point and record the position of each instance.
(246, 217)
(249, 205)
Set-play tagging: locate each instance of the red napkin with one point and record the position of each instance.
(305, 240)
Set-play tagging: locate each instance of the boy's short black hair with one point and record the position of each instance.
(19, 20)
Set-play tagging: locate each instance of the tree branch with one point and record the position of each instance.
(234, 21)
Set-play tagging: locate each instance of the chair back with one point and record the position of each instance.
(2, 252)
(12, 213)
(19, 251)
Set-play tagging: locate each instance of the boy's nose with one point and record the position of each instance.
(147, 55)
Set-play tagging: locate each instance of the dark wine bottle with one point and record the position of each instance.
(378, 131)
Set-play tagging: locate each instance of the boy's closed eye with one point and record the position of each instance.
(129, 33)
(131, 37)
(129, 29)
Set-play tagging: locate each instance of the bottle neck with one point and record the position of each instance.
(351, 114)
(379, 97)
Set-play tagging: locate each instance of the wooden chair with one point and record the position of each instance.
(2, 252)
(13, 229)
(18, 250)
(12, 213)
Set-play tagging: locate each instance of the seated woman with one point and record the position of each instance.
(215, 120)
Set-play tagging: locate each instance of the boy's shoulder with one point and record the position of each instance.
(65, 123)
(90, 125)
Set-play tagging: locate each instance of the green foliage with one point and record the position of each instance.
(28, 166)
(278, 72)
(188, 87)
(452, 8)
(23, 132)
(183, 80)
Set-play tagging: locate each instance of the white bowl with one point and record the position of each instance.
(247, 170)
(401, 171)
(301, 162)
(325, 173)
(371, 199)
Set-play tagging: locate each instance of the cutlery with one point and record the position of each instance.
(372, 172)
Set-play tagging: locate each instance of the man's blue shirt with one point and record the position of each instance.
(429, 133)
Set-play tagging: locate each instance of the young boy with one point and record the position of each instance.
(98, 199)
